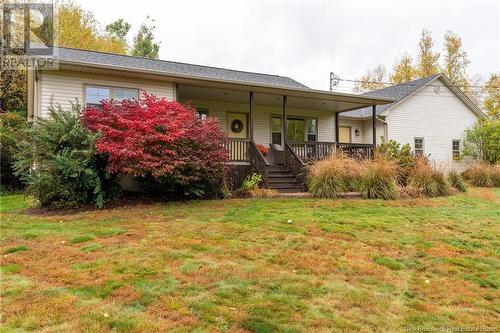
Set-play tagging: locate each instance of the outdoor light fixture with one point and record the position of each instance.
(356, 132)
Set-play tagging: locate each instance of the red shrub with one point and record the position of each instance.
(262, 149)
(159, 138)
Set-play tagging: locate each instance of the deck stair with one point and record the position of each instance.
(283, 180)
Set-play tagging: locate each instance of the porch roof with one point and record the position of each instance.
(213, 78)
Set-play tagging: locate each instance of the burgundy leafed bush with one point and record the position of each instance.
(159, 138)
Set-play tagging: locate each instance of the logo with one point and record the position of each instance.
(28, 35)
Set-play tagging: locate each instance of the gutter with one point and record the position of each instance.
(279, 90)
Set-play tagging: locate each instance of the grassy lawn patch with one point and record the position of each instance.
(254, 265)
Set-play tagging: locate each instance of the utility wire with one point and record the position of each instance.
(418, 85)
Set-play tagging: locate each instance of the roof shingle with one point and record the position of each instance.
(396, 92)
(171, 67)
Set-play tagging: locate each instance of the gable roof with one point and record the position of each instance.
(402, 91)
(172, 67)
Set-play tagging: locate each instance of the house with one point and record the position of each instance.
(250, 107)
(430, 114)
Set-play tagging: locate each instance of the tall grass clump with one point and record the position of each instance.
(456, 181)
(483, 175)
(378, 178)
(432, 182)
(330, 177)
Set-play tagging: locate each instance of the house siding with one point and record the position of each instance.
(65, 87)
(262, 118)
(365, 130)
(438, 118)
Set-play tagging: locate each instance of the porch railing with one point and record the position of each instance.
(238, 149)
(296, 164)
(311, 150)
(260, 163)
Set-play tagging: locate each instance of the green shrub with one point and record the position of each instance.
(58, 162)
(483, 175)
(251, 182)
(427, 179)
(378, 179)
(330, 177)
(12, 126)
(482, 142)
(403, 157)
(456, 181)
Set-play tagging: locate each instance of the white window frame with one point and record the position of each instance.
(112, 91)
(456, 157)
(200, 112)
(421, 150)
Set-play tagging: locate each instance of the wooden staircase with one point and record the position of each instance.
(282, 179)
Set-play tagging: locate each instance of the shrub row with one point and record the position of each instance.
(384, 177)
(74, 157)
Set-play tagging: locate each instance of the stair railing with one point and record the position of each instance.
(260, 163)
(297, 166)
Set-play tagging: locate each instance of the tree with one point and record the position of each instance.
(119, 30)
(482, 142)
(57, 161)
(144, 45)
(14, 90)
(456, 61)
(492, 96)
(403, 70)
(162, 140)
(372, 80)
(78, 28)
(427, 61)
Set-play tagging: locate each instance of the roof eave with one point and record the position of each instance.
(244, 85)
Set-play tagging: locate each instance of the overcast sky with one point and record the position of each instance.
(306, 40)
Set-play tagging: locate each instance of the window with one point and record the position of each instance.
(95, 94)
(202, 114)
(419, 146)
(276, 130)
(296, 129)
(455, 146)
(121, 94)
(312, 129)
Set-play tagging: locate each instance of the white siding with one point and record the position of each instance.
(64, 87)
(438, 118)
(262, 118)
(365, 130)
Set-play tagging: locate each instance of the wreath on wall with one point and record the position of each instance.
(236, 126)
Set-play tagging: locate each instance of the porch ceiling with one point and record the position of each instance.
(325, 102)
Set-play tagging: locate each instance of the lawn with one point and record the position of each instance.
(257, 265)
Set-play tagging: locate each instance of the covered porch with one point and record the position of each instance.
(259, 136)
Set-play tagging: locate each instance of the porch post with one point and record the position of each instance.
(374, 124)
(337, 127)
(284, 123)
(250, 116)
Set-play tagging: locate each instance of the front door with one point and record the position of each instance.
(237, 125)
(344, 134)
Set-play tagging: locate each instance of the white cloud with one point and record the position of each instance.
(308, 39)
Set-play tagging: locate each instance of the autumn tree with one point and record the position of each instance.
(428, 60)
(403, 70)
(144, 45)
(455, 61)
(78, 28)
(492, 96)
(372, 80)
(119, 30)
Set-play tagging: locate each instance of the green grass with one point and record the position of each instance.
(238, 265)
